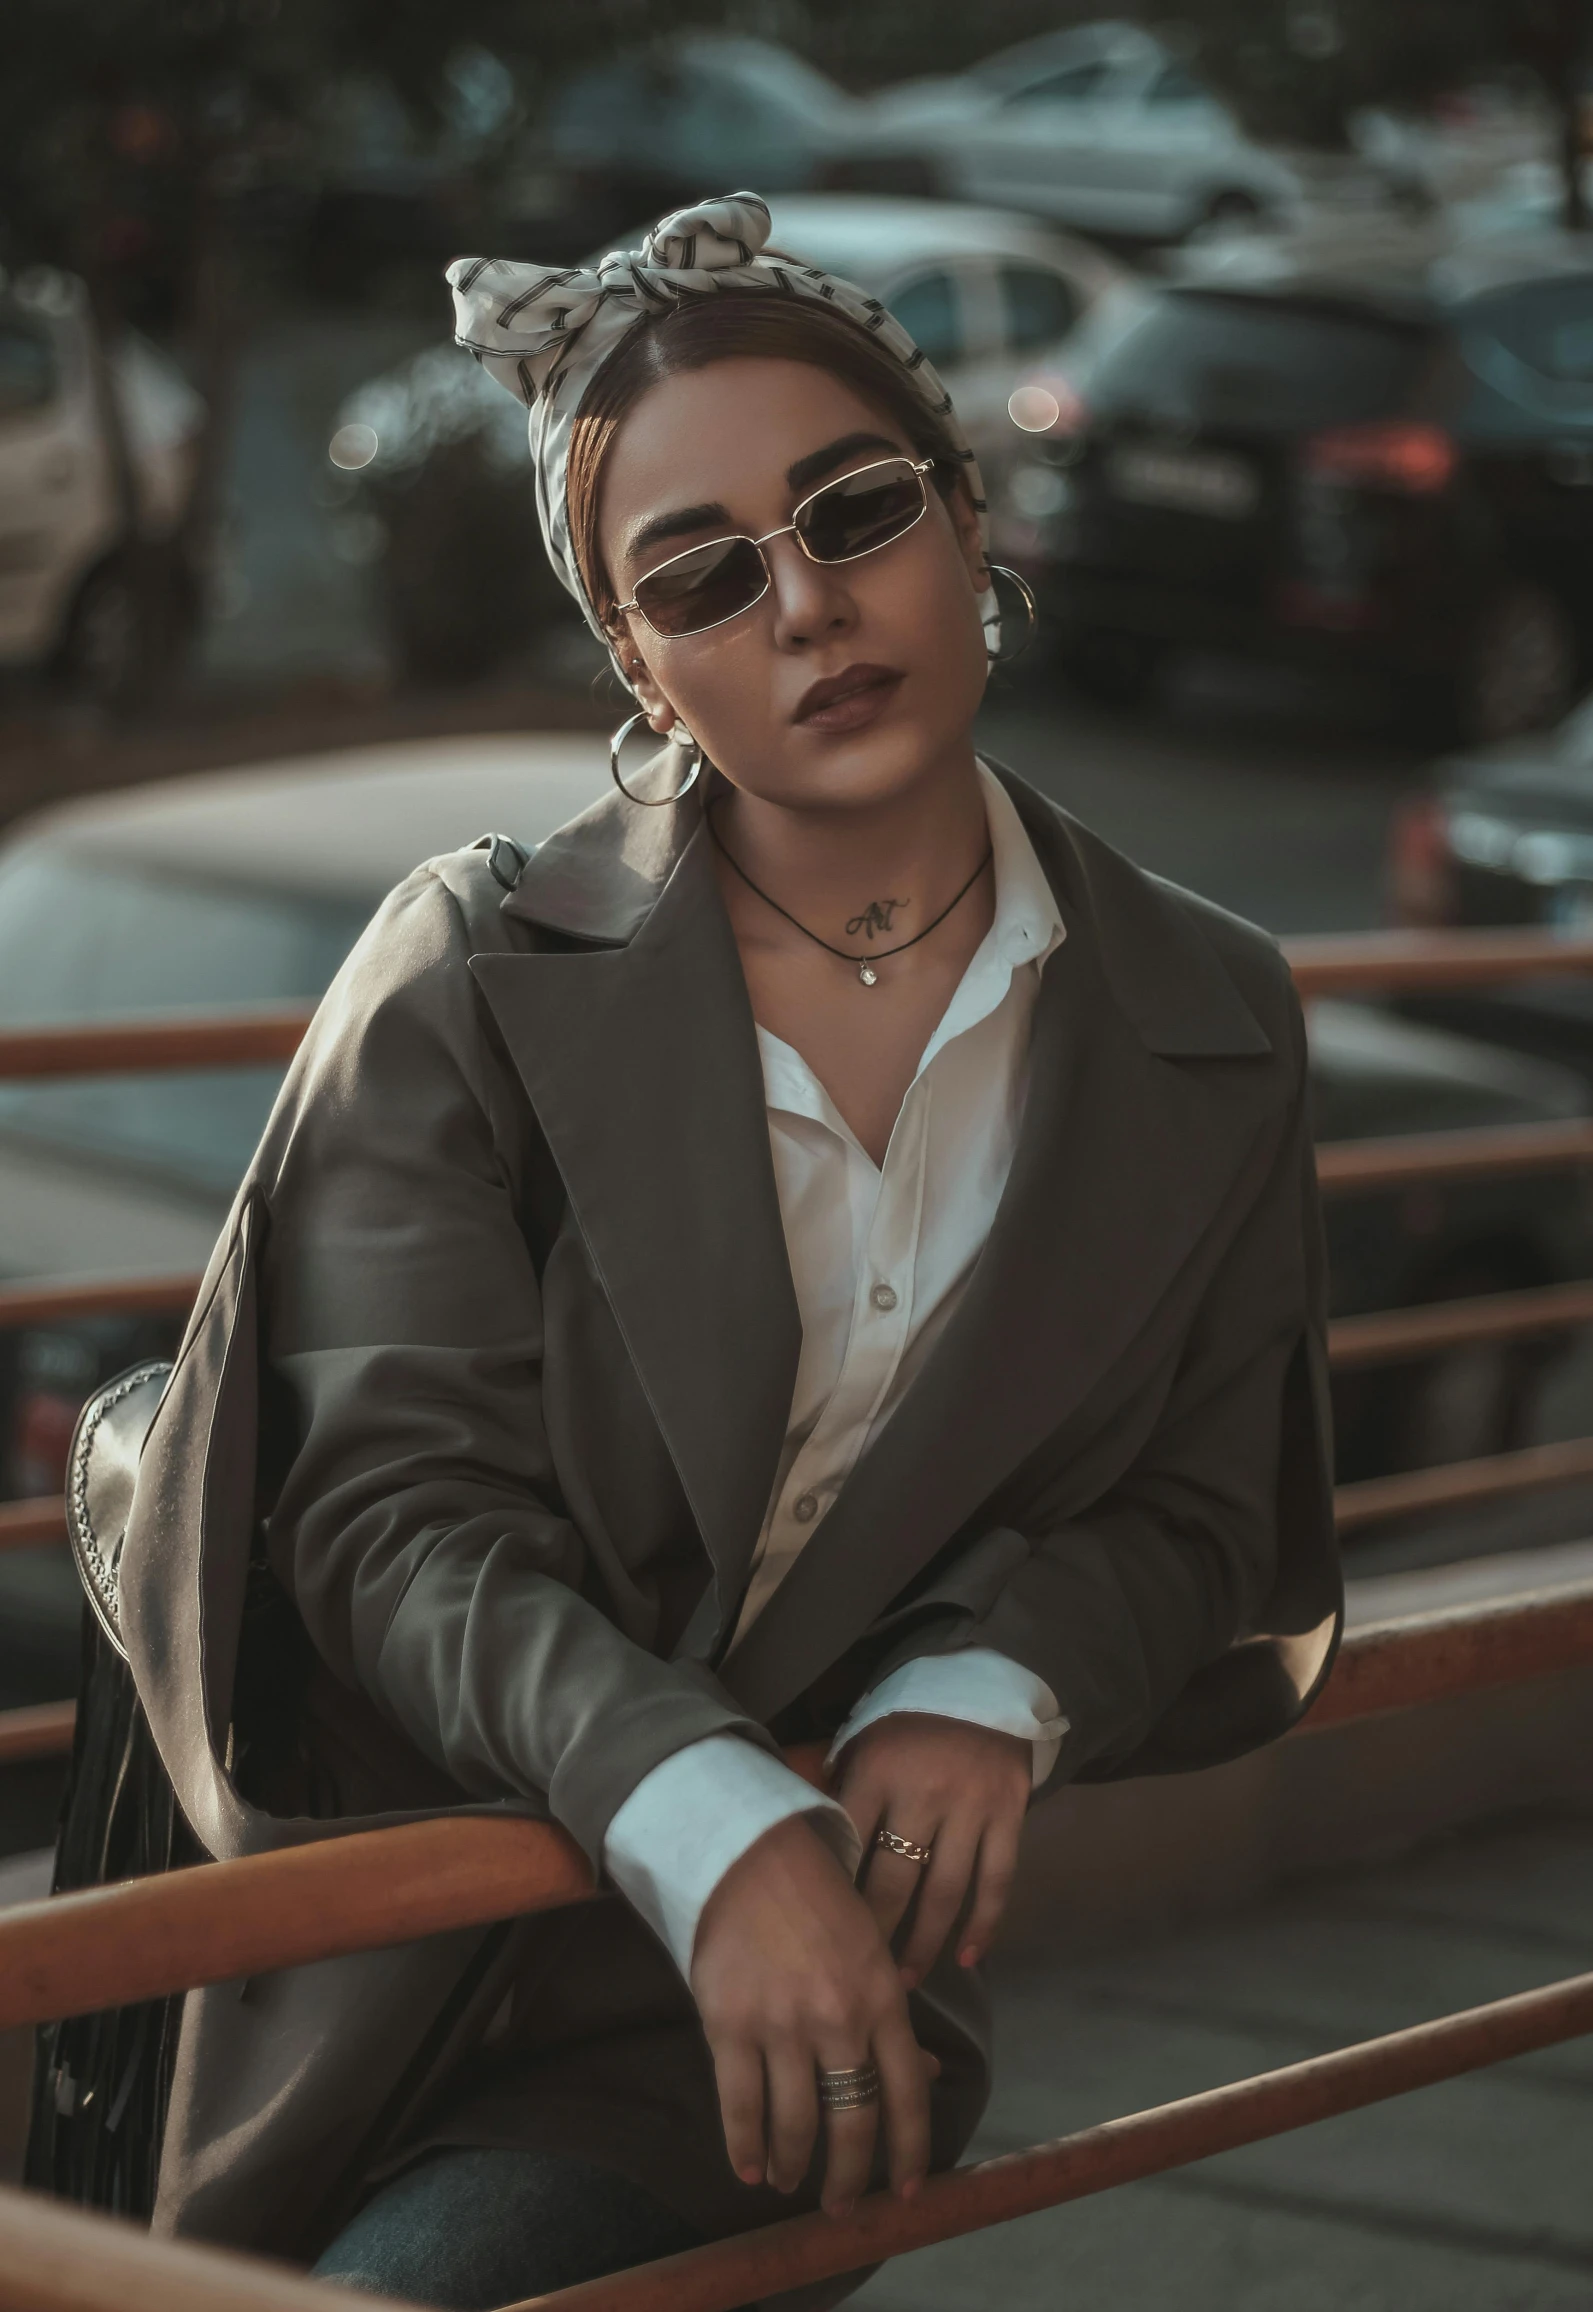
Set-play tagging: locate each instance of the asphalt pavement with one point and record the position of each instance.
(1470, 2197)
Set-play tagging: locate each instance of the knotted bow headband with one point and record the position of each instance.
(545, 333)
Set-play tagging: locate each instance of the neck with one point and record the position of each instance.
(887, 867)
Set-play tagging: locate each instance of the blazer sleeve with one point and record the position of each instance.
(417, 1523)
(1119, 1609)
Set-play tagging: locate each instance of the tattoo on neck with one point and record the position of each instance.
(876, 916)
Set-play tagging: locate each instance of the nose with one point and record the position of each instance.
(812, 601)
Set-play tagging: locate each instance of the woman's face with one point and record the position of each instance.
(735, 448)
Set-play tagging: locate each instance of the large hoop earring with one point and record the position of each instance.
(1031, 611)
(651, 802)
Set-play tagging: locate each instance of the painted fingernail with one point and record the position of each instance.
(840, 2208)
(911, 1978)
(910, 2188)
(968, 1956)
(750, 2175)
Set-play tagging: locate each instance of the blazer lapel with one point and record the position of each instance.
(1123, 1162)
(641, 1062)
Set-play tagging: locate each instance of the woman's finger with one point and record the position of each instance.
(891, 1881)
(738, 2071)
(793, 2112)
(849, 2137)
(997, 1865)
(861, 1792)
(945, 1890)
(904, 2088)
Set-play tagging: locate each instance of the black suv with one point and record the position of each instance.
(1382, 457)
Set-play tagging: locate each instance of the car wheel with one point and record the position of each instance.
(1230, 211)
(1116, 668)
(1521, 669)
(102, 657)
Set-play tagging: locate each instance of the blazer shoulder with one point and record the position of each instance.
(1253, 960)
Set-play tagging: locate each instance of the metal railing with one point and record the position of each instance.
(226, 1921)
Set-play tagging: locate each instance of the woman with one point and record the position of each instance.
(826, 1251)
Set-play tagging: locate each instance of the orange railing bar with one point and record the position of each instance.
(1458, 1484)
(57, 2260)
(116, 1945)
(1413, 1659)
(41, 1730)
(1385, 1337)
(95, 1296)
(234, 1039)
(1415, 1159)
(1344, 963)
(1415, 962)
(25, 1524)
(806, 2249)
(1392, 1335)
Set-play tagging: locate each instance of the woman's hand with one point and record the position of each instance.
(792, 1977)
(960, 1790)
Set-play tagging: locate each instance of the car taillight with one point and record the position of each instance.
(1414, 460)
(1048, 405)
(1421, 864)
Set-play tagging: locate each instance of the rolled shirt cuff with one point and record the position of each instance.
(980, 1686)
(673, 1839)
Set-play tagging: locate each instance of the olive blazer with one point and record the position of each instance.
(483, 1397)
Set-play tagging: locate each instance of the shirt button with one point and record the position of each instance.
(883, 1296)
(805, 1508)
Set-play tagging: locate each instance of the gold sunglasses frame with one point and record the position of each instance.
(919, 466)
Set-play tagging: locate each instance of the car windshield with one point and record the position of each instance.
(1270, 365)
(83, 939)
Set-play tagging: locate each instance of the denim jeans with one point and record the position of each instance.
(468, 2229)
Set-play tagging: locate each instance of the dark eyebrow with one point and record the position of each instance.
(813, 468)
(803, 476)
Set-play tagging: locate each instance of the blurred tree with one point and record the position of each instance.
(1302, 68)
(135, 135)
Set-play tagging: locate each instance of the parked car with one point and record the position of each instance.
(698, 112)
(247, 888)
(1504, 836)
(67, 581)
(1103, 126)
(1373, 454)
(436, 453)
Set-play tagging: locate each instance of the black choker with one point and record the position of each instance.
(865, 963)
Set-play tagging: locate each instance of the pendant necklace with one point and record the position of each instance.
(865, 963)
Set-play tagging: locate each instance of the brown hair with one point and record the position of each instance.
(732, 325)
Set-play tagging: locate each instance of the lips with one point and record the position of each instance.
(846, 699)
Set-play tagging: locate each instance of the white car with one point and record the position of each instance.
(989, 296)
(1103, 127)
(65, 586)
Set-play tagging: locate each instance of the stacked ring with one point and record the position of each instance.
(909, 1849)
(849, 2090)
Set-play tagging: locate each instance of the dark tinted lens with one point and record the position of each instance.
(861, 511)
(703, 587)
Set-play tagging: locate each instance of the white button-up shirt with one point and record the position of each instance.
(879, 1257)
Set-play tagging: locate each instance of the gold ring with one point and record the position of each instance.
(849, 2090)
(909, 1850)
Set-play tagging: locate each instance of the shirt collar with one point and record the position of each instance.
(1025, 929)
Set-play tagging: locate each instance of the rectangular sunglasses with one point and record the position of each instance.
(707, 585)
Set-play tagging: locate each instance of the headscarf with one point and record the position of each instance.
(544, 332)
